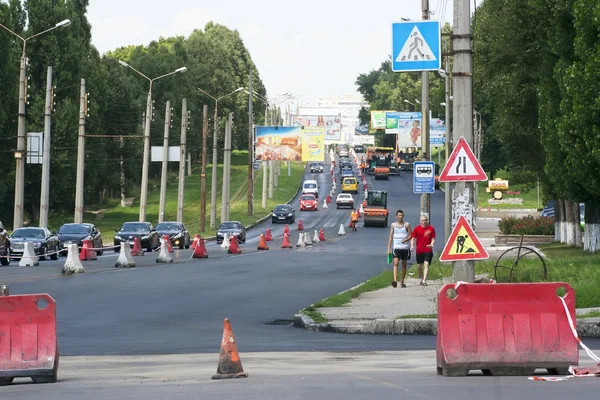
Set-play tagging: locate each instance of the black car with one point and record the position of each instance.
(4, 246)
(232, 228)
(142, 230)
(176, 231)
(283, 213)
(316, 167)
(43, 240)
(76, 233)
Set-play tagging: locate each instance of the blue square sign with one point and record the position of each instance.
(424, 177)
(416, 46)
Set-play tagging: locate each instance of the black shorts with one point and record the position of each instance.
(402, 254)
(424, 257)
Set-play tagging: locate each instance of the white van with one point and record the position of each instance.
(311, 186)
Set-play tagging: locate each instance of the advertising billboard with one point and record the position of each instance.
(281, 143)
(313, 143)
(331, 124)
(378, 119)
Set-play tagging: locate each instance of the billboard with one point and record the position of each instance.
(313, 143)
(378, 119)
(326, 118)
(437, 132)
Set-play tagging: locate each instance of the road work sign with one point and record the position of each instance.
(463, 244)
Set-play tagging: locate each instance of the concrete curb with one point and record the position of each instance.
(586, 327)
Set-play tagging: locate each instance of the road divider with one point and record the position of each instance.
(73, 263)
(300, 243)
(29, 259)
(164, 256)
(125, 259)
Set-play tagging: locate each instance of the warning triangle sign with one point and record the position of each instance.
(415, 48)
(462, 165)
(463, 244)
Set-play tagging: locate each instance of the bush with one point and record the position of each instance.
(527, 226)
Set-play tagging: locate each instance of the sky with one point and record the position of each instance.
(307, 48)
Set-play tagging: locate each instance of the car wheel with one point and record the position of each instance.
(5, 260)
(44, 252)
(101, 247)
(182, 245)
(55, 255)
(149, 248)
(117, 248)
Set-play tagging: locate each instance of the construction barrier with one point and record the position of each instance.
(286, 242)
(234, 248)
(321, 235)
(125, 259)
(230, 365)
(300, 225)
(167, 239)
(195, 241)
(268, 236)
(262, 244)
(505, 329)
(200, 249)
(73, 263)
(137, 247)
(300, 243)
(164, 256)
(28, 344)
(29, 259)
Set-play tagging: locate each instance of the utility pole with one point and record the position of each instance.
(203, 173)
(45, 196)
(265, 168)
(79, 188)
(425, 153)
(271, 177)
(226, 170)
(189, 165)
(213, 192)
(447, 194)
(146, 161)
(165, 162)
(276, 175)
(462, 110)
(182, 159)
(250, 152)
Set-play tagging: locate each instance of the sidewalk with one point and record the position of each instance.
(381, 311)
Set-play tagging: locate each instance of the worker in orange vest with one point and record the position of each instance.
(354, 219)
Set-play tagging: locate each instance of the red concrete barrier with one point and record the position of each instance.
(28, 344)
(505, 329)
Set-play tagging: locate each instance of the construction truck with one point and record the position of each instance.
(375, 208)
(379, 159)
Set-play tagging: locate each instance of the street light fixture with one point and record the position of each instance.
(146, 161)
(21, 147)
(213, 193)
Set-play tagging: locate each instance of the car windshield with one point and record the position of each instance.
(349, 181)
(345, 196)
(73, 230)
(230, 225)
(283, 209)
(166, 226)
(310, 186)
(28, 233)
(317, 164)
(308, 197)
(135, 227)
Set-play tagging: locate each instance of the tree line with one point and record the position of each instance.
(216, 59)
(537, 87)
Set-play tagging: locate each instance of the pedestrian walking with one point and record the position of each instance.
(400, 235)
(425, 237)
(354, 219)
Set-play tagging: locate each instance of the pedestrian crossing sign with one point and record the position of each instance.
(463, 244)
(416, 46)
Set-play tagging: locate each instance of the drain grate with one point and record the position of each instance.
(281, 322)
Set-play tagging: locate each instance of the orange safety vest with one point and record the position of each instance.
(353, 216)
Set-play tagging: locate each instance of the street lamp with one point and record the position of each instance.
(21, 148)
(213, 192)
(146, 161)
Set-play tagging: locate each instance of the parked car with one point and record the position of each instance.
(176, 231)
(308, 202)
(359, 149)
(76, 233)
(283, 213)
(4, 246)
(316, 167)
(344, 200)
(232, 228)
(44, 242)
(142, 230)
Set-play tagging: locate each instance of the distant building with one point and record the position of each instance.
(348, 105)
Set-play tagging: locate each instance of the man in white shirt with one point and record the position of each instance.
(400, 235)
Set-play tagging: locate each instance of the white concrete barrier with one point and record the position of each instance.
(125, 259)
(300, 241)
(316, 237)
(164, 256)
(342, 230)
(225, 243)
(29, 258)
(72, 265)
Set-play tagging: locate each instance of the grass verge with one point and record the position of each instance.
(529, 194)
(112, 215)
(437, 270)
(565, 264)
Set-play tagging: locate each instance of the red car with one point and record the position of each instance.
(308, 202)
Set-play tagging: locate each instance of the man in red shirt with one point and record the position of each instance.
(425, 235)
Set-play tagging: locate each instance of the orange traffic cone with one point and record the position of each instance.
(91, 251)
(167, 239)
(286, 242)
(83, 254)
(137, 247)
(230, 365)
(195, 241)
(268, 236)
(321, 235)
(262, 245)
(300, 225)
(233, 246)
(200, 250)
(286, 229)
